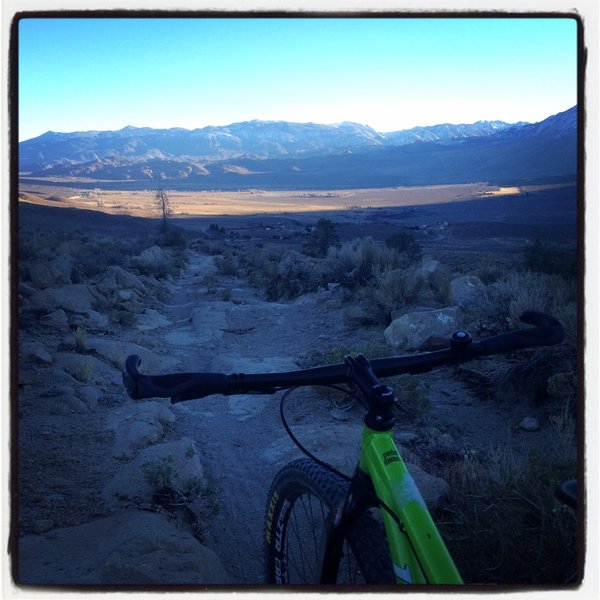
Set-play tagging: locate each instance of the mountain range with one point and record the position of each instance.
(284, 155)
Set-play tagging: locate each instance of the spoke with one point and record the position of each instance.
(301, 526)
(304, 539)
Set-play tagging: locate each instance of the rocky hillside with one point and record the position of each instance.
(113, 491)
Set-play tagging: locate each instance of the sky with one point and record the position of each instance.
(388, 73)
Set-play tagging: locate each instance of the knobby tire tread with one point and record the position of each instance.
(367, 538)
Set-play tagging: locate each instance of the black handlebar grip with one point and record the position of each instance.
(131, 375)
(547, 332)
(178, 386)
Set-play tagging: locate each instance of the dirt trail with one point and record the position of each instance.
(240, 439)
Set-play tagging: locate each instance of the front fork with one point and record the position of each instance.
(361, 496)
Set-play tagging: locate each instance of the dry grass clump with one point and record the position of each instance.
(387, 292)
(357, 263)
(498, 310)
(501, 521)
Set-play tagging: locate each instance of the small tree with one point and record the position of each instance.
(162, 203)
(96, 195)
(321, 238)
(406, 243)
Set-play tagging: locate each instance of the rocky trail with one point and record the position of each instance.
(91, 459)
(90, 456)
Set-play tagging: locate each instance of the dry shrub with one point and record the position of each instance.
(497, 311)
(296, 275)
(500, 519)
(357, 263)
(389, 291)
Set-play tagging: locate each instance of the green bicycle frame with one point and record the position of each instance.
(418, 552)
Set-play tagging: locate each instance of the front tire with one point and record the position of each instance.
(301, 497)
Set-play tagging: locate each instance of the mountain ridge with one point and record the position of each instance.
(258, 138)
(270, 154)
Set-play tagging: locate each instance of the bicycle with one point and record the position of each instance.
(323, 527)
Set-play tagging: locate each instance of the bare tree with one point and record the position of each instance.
(162, 203)
(96, 195)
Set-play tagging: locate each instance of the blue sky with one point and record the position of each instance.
(391, 74)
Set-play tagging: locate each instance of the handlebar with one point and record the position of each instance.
(546, 331)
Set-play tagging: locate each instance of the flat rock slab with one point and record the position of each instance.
(131, 547)
(116, 351)
(151, 319)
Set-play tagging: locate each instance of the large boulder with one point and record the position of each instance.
(130, 547)
(73, 298)
(423, 329)
(465, 289)
(152, 261)
(117, 279)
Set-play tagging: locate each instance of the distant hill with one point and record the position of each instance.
(277, 154)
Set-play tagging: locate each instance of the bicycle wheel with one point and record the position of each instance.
(301, 497)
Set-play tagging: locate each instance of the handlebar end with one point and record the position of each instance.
(131, 375)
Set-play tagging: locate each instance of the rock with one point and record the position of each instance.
(152, 259)
(529, 424)
(37, 354)
(133, 307)
(332, 296)
(90, 396)
(91, 320)
(405, 437)
(42, 377)
(116, 279)
(41, 276)
(151, 319)
(464, 290)
(130, 547)
(432, 488)
(127, 295)
(172, 463)
(61, 269)
(62, 401)
(26, 290)
(116, 351)
(128, 280)
(338, 414)
(87, 368)
(48, 273)
(432, 271)
(137, 426)
(424, 329)
(74, 298)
